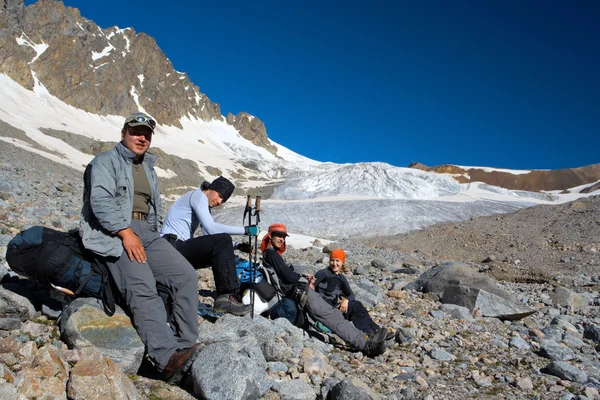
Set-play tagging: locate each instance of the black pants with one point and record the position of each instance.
(358, 314)
(215, 251)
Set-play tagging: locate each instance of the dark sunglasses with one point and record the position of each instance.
(278, 234)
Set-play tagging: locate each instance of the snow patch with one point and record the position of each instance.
(488, 169)
(136, 99)
(105, 52)
(38, 48)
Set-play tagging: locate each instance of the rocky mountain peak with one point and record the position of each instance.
(103, 71)
(251, 128)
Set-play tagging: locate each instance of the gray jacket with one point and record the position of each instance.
(108, 199)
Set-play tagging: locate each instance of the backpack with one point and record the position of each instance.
(263, 287)
(58, 260)
(298, 294)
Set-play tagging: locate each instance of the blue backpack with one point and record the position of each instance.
(58, 260)
(244, 272)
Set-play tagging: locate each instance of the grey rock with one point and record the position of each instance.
(553, 333)
(8, 324)
(277, 350)
(441, 355)
(230, 370)
(84, 324)
(519, 343)
(499, 343)
(277, 366)
(554, 351)
(351, 389)
(437, 314)
(563, 322)
(379, 264)
(367, 292)
(295, 389)
(405, 335)
(566, 298)
(456, 311)
(327, 385)
(573, 341)
(438, 278)
(592, 332)
(489, 304)
(15, 294)
(564, 370)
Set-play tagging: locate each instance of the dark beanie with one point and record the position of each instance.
(222, 186)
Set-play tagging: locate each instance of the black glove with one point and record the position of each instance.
(245, 247)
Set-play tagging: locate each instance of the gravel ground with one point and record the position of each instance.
(437, 354)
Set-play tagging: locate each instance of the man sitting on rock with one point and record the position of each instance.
(120, 222)
(214, 248)
(291, 283)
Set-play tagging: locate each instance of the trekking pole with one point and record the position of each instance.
(248, 211)
(255, 262)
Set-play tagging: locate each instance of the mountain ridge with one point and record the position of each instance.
(125, 72)
(529, 180)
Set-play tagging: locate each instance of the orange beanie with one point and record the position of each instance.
(339, 254)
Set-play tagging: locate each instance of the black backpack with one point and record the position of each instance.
(59, 260)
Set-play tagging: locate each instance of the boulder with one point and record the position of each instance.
(438, 278)
(15, 297)
(46, 377)
(85, 324)
(566, 298)
(97, 376)
(564, 370)
(231, 370)
(489, 304)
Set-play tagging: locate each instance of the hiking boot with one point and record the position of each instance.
(375, 343)
(179, 363)
(388, 334)
(228, 303)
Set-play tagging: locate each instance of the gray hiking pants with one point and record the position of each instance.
(333, 318)
(137, 283)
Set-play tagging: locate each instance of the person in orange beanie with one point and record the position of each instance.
(334, 288)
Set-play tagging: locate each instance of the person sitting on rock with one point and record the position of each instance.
(214, 248)
(334, 288)
(290, 283)
(120, 219)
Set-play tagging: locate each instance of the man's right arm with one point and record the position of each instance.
(102, 184)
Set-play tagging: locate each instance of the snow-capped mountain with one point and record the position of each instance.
(68, 111)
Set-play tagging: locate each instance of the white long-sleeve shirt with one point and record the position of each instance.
(190, 211)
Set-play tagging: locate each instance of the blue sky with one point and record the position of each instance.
(508, 84)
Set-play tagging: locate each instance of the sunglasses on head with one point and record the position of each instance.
(142, 119)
